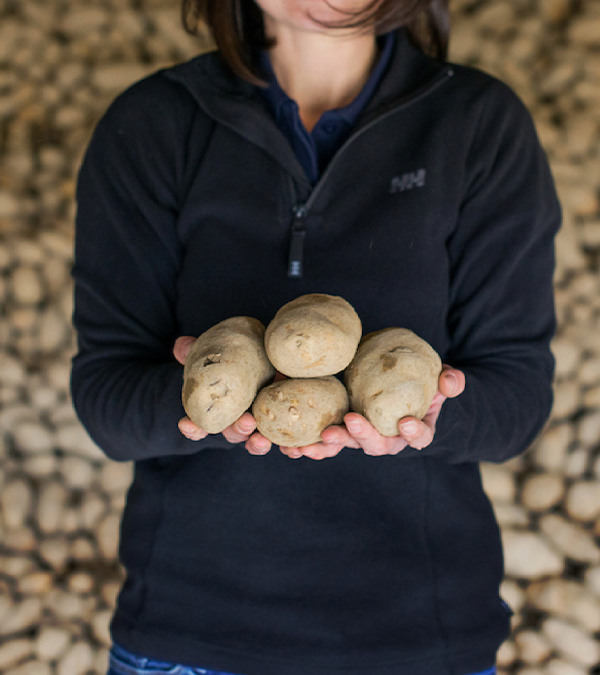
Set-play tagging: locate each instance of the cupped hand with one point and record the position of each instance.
(359, 433)
(243, 430)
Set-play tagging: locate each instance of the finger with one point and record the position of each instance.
(451, 382)
(336, 435)
(434, 410)
(191, 430)
(292, 453)
(319, 451)
(417, 433)
(370, 440)
(241, 429)
(182, 347)
(257, 444)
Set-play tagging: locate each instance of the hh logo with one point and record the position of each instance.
(408, 181)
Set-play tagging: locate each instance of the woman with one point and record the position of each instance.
(317, 150)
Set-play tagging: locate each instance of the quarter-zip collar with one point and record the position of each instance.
(410, 72)
(314, 149)
(238, 105)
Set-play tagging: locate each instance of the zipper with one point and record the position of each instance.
(301, 211)
(296, 257)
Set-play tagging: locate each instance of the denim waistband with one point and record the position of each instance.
(123, 662)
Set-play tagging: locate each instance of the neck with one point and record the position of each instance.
(322, 71)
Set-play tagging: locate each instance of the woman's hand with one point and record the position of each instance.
(242, 430)
(359, 433)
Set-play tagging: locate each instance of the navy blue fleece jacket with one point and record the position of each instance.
(438, 214)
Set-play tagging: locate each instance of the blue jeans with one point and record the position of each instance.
(123, 662)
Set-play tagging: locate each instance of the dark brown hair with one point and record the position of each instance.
(236, 26)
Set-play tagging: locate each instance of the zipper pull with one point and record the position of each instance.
(296, 258)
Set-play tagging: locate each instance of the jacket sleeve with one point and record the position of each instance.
(126, 384)
(501, 317)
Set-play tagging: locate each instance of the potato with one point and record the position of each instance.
(393, 375)
(314, 335)
(293, 413)
(224, 370)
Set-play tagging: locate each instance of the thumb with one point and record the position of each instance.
(451, 382)
(182, 347)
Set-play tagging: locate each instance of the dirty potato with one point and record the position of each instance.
(223, 372)
(293, 413)
(314, 335)
(393, 375)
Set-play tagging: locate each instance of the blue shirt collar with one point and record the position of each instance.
(314, 150)
(277, 98)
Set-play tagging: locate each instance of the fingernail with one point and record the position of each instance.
(409, 428)
(187, 425)
(451, 382)
(186, 345)
(353, 426)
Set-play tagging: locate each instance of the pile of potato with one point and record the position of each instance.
(388, 375)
